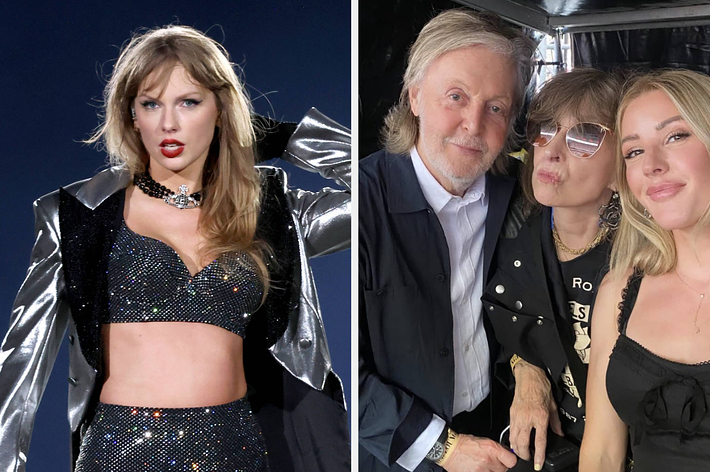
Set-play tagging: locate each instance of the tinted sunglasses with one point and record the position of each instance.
(583, 139)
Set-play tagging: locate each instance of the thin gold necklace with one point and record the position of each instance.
(601, 234)
(700, 303)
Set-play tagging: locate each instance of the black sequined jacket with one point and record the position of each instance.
(287, 362)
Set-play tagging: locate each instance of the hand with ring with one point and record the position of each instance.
(533, 408)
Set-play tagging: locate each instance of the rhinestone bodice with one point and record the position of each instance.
(147, 281)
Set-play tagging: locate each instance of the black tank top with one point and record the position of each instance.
(665, 403)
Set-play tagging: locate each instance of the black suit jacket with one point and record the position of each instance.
(406, 365)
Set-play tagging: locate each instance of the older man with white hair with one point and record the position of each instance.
(432, 205)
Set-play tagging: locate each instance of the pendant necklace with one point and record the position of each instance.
(181, 200)
(700, 303)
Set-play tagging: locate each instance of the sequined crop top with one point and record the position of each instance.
(147, 281)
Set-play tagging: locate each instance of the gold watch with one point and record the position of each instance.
(436, 453)
(451, 440)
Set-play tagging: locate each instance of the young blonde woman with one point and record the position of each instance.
(182, 276)
(649, 373)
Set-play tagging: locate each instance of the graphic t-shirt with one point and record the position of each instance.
(581, 278)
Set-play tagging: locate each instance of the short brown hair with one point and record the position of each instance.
(585, 94)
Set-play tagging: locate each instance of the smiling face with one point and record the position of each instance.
(176, 122)
(464, 104)
(667, 166)
(562, 180)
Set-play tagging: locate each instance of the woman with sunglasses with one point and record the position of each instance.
(650, 370)
(539, 298)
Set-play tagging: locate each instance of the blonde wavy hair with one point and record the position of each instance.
(640, 242)
(450, 30)
(231, 185)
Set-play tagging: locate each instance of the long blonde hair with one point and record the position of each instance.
(640, 242)
(451, 30)
(232, 186)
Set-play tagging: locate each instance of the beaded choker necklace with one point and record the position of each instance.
(179, 200)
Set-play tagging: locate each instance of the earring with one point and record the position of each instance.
(646, 214)
(135, 128)
(133, 113)
(610, 213)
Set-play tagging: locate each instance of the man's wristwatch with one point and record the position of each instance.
(437, 450)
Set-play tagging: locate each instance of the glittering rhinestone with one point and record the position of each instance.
(147, 281)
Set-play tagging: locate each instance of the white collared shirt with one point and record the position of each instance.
(463, 221)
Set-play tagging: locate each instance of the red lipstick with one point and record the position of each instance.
(171, 147)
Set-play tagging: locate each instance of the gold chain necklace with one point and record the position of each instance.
(700, 303)
(601, 234)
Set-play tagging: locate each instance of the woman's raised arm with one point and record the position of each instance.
(321, 145)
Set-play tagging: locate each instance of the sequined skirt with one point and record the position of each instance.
(217, 438)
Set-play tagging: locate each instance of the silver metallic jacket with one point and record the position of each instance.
(41, 313)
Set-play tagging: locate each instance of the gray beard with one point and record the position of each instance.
(459, 184)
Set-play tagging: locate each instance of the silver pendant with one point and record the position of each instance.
(182, 200)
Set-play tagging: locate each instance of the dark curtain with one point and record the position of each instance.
(685, 47)
(386, 31)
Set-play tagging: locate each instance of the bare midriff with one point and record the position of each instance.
(171, 365)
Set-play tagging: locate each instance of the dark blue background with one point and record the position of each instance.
(297, 53)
